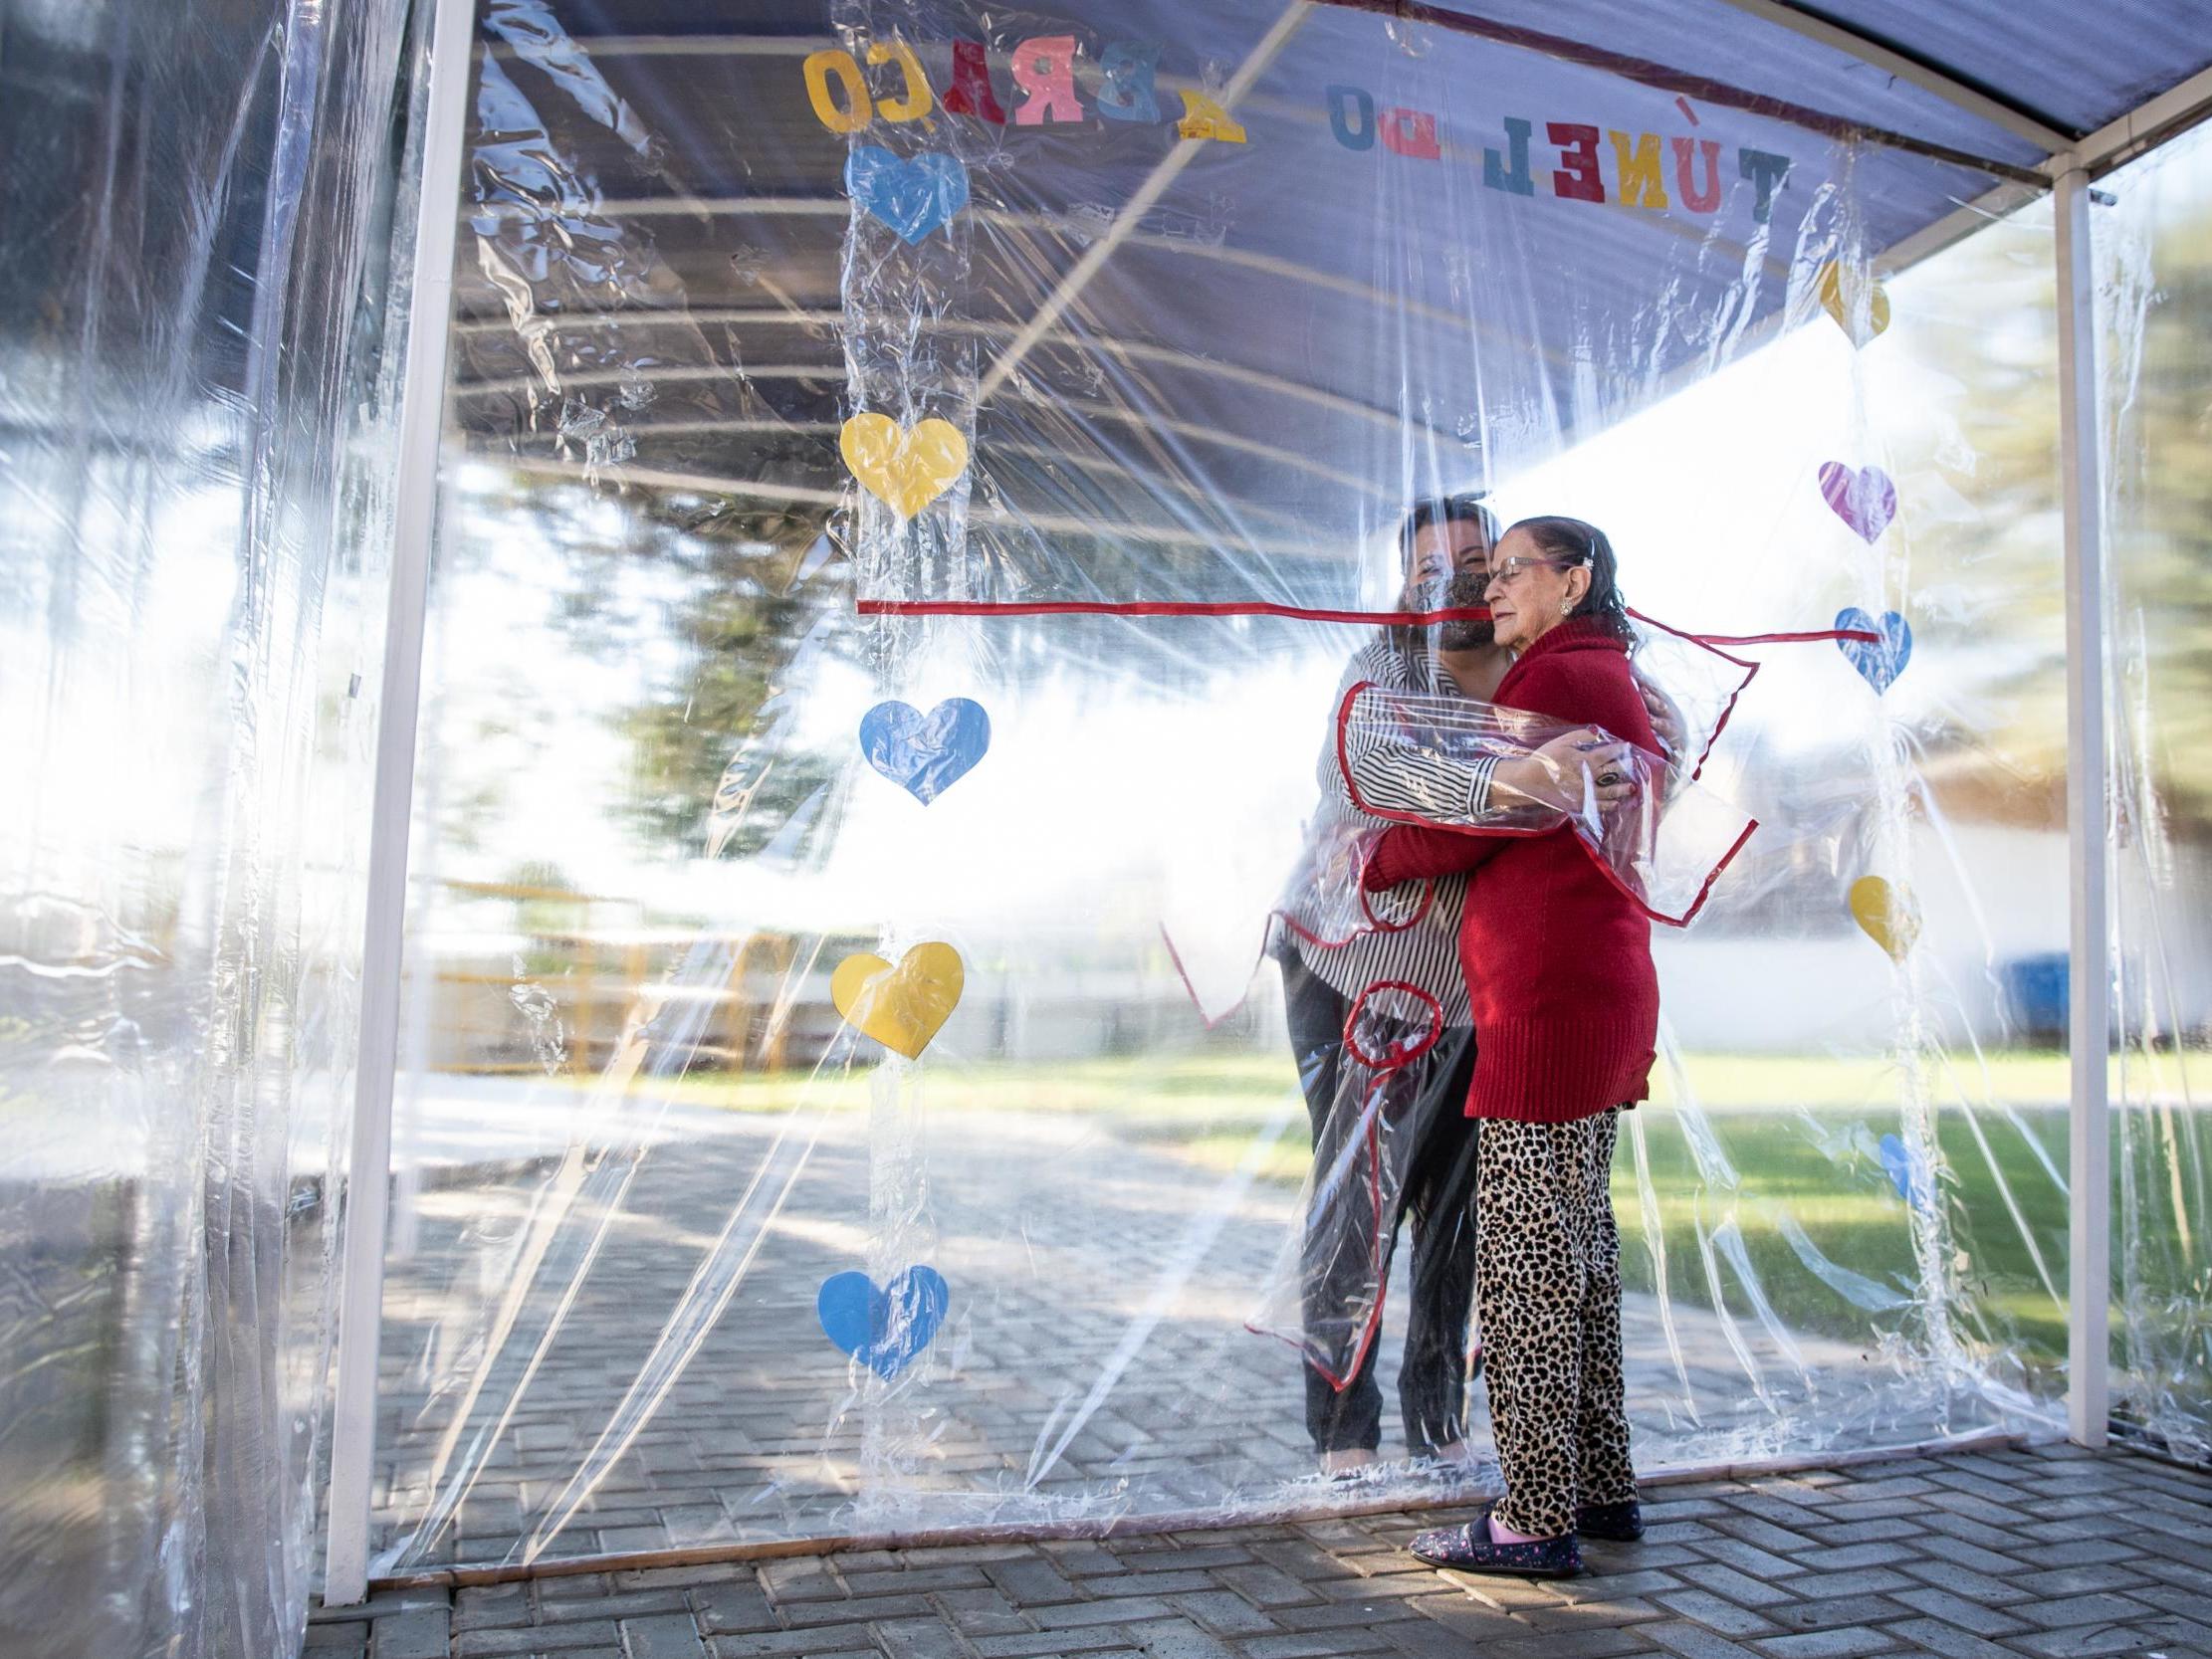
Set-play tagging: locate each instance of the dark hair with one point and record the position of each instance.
(1463, 508)
(1570, 541)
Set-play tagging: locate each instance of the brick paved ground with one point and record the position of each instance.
(1087, 1256)
(2012, 1555)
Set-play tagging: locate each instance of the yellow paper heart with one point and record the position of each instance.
(1839, 306)
(901, 1007)
(908, 468)
(1888, 913)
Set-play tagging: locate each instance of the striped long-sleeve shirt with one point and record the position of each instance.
(1353, 940)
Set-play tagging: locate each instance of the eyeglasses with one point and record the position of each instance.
(1513, 569)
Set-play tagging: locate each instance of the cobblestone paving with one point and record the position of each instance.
(1095, 1359)
(2047, 1554)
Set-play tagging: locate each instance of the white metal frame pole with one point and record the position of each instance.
(369, 1169)
(2088, 1013)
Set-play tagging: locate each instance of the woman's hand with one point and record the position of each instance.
(1668, 724)
(1572, 768)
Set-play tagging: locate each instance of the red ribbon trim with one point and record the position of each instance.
(1163, 607)
(1297, 613)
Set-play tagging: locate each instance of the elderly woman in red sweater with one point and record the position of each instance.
(1558, 964)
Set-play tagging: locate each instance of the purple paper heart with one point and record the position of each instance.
(1865, 500)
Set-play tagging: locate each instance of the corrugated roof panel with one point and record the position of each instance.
(2033, 54)
(1714, 39)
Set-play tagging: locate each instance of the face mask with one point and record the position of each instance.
(1427, 594)
(1463, 591)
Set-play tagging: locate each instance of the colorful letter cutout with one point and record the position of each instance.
(1411, 132)
(1577, 178)
(1687, 152)
(1636, 161)
(1768, 173)
(971, 94)
(1203, 118)
(1125, 91)
(819, 67)
(915, 101)
(1344, 103)
(1512, 176)
(1044, 70)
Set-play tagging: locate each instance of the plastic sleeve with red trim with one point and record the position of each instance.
(1664, 843)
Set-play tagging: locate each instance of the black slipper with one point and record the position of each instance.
(1470, 1548)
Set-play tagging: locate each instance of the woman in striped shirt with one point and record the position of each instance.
(1333, 949)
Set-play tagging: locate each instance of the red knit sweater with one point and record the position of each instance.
(1557, 958)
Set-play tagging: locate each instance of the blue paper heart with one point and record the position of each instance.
(883, 1328)
(1878, 662)
(912, 197)
(1905, 1174)
(925, 754)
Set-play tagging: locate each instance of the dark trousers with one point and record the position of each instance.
(1437, 1195)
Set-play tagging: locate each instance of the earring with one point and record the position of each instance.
(1568, 610)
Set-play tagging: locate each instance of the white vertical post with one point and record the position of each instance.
(414, 519)
(2088, 1013)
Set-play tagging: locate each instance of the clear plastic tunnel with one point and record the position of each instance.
(943, 564)
(913, 495)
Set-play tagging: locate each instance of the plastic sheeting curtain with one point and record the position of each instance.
(194, 387)
(920, 488)
(2154, 243)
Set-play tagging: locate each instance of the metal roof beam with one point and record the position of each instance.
(2143, 128)
(1154, 482)
(839, 207)
(1134, 351)
(996, 517)
(1144, 419)
(1164, 173)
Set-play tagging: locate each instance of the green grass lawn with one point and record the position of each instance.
(1779, 1170)
(1826, 1234)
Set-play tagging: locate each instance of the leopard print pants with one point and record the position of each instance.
(1548, 1284)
